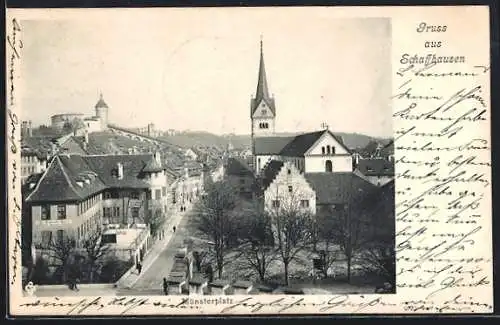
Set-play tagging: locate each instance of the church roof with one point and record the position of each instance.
(271, 145)
(339, 188)
(101, 103)
(295, 146)
(262, 91)
(301, 143)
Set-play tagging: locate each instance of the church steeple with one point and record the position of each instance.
(262, 91)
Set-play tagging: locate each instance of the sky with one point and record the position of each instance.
(197, 69)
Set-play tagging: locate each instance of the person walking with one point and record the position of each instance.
(165, 286)
(139, 267)
(77, 280)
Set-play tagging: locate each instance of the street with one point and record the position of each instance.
(152, 277)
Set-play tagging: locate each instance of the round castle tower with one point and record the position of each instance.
(101, 111)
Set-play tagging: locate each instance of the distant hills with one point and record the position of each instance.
(199, 138)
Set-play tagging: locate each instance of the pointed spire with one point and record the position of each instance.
(262, 92)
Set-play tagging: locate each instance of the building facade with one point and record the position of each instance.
(32, 162)
(78, 195)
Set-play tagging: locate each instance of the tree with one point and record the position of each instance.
(292, 227)
(213, 216)
(73, 126)
(362, 223)
(378, 255)
(62, 250)
(41, 272)
(96, 249)
(325, 226)
(155, 220)
(256, 238)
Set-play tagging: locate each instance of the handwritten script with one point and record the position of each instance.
(14, 47)
(443, 173)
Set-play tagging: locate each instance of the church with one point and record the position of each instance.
(314, 170)
(319, 151)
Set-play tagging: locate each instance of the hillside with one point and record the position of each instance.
(194, 139)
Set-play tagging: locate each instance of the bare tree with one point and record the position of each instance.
(62, 250)
(213, 216)
(357, 227)
(326, 229)
(96, 249)
(256, 238)
(292, 228)
(155, 220)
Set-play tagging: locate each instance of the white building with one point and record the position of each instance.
(95, 123)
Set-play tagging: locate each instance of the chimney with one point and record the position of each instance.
(119, 168)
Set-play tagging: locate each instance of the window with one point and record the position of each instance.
(289, 171)
(45, 212)
(134, 195)
(264, 112)
(276, 203)
(258, 163)
(164, 191)
(328, 166)
(328, 149)
(60, 236)
(135, 213)
(116, 211)
(323, 150)
(304, 203)
(333, 150)
(106, 212)
(107, 195)
(158, 194)
(290, 189)
(115, 195)
(61, 212)
(46, 238)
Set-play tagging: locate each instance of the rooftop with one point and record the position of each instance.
(338, 188)
(295, 146)
(76, 177)
(376, 167)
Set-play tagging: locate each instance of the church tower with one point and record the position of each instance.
(262, 108)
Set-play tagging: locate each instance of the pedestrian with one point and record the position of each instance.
(174, 228)
(77, 280)
(139, 267)
(165, 286)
